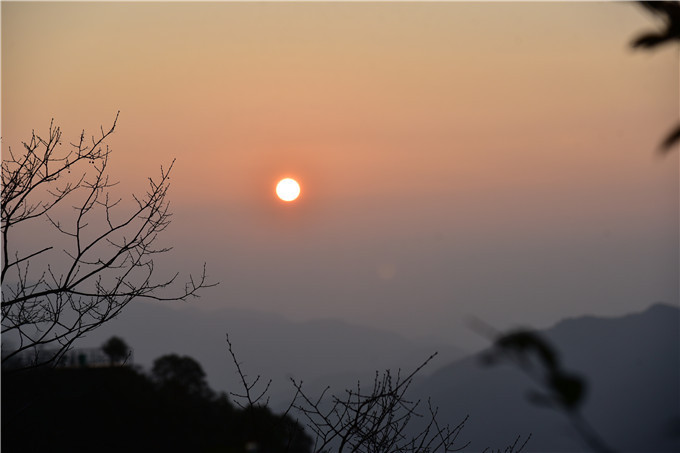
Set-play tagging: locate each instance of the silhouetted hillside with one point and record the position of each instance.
(632, 367)
(119, 409)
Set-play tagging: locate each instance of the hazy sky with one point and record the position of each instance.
(455, 158)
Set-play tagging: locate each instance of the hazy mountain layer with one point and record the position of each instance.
(325, 351)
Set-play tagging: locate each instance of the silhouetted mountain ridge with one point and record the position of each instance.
(632, 367)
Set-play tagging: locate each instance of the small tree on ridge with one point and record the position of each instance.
(116, 349)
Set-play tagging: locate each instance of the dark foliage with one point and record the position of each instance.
(669, 14)
(113, 409)
(116, 349)
(175, 373)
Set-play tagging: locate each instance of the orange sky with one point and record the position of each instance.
(508, 148)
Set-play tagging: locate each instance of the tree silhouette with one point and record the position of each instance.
(106, 257)
(116, 349)
(180, 372)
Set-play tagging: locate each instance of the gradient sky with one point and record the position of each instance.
(456, 159)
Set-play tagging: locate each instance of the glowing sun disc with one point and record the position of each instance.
(288, 189)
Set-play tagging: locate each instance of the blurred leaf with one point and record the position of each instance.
(524, 342)
(671, 140)
(569, 389)
(670, 13)
(649, 40)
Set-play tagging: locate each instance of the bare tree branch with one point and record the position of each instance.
(378, 420)
(107, 255)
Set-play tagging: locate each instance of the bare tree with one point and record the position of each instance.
(380, 419)
(253, 402)
(101, 257)
(376, 420)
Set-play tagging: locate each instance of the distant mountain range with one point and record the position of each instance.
(319, 351)
(632, 367)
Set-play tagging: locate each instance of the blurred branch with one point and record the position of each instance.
(560, 389)
(668, 12)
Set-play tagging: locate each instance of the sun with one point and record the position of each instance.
(288, 189)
